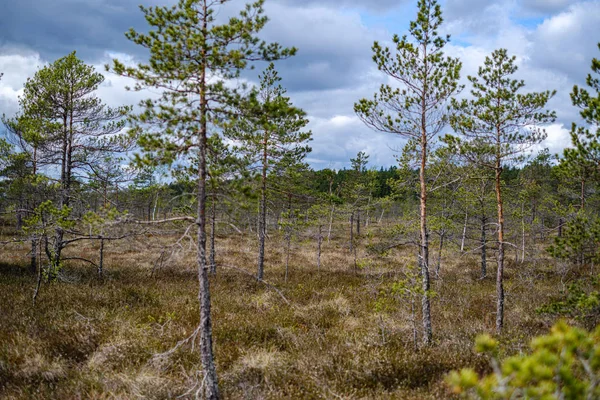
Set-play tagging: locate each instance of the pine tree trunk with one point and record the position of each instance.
(464, 234)
(101, 263)
(288, 245)
(330, 223)
(522, 234)
(288, 238)
(351, 232)
(262, 220)
(500, 272)
(55, 255)
(19, 220)
(439, 257)
(424, 248)
(319, 243)
(213, 223)
(155, 207)
(211, 388)
(39, 274)
(358, 223)
(582, 195)
(33, 264)
(483, 244)
(560, 227)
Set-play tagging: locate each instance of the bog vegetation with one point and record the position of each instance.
(184, 248)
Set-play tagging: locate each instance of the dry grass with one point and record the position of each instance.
(94, 340)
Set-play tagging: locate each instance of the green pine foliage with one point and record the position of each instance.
(564, 364)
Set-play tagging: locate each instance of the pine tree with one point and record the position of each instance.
(63, 123)
(582, 160)
(270, 130)
(416, 109)
(498, 125)
(192, 59)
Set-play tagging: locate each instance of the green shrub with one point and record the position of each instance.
(562, 365)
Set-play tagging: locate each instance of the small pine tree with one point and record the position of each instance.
(498, 125)
(417, 109)
(270, 130)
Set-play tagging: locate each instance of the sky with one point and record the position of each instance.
(554, 42)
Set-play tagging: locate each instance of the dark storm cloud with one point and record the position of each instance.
(57, 27)
(333, 47)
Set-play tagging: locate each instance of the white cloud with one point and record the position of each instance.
(558, 138)
(567, 41)
(333, 68)
(17, 67)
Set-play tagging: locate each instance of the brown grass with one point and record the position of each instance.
(95, 340)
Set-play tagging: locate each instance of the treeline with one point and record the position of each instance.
(214, 157)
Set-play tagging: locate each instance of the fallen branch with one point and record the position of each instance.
(80, 259)
(161, 356)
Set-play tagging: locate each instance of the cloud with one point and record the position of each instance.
(341, 137)
(16, 68)
(333, 46)
(567, 41)
(554, 41)
(558, 136)
(370, 5)
(56, 28)
(545, 6)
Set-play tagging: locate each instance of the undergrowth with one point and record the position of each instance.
(95, 339)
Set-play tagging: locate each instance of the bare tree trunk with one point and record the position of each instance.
(101, 263)
(358, 223)
(211, 387)
(355, 260)
(155, 206)
(582, 194)
(439, 257)
(351, 232)
(483, 244)
(500, 272)
(262, 219)
(464, 233)
(319, 243)
(288, 238)
(414, 324)
(56, 255)
(39, 282)
(381, 216)
(19, 220)
(561, 222)
(330, 223)
(288, 245)
(33, 264)
(522, 233)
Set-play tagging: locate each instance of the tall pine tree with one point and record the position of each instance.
(498, 125)
(417, 108)
(192, 59)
